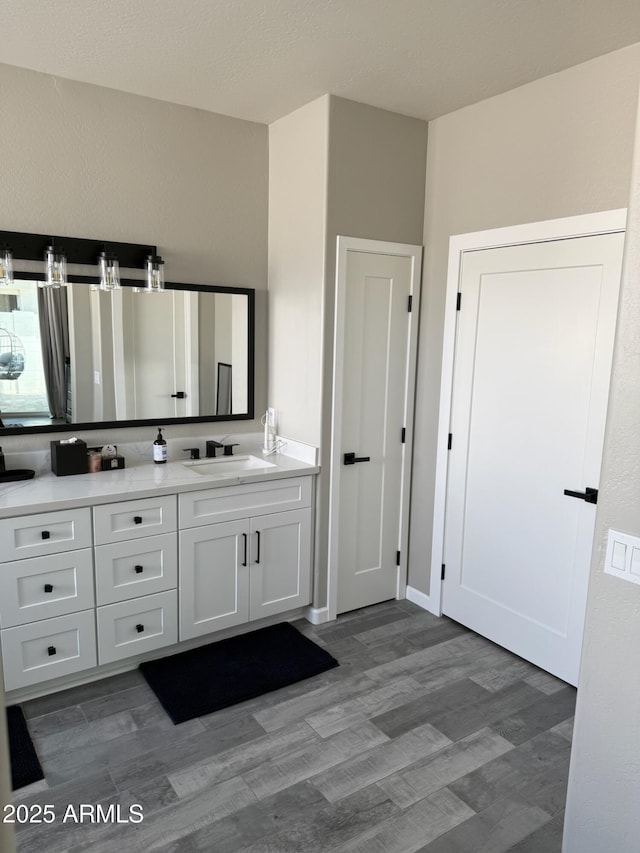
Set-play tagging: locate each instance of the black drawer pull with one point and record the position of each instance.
(51, 651)
(137, 519)
(45, 534)
(48, 587)
(139, 569)
(139, 628)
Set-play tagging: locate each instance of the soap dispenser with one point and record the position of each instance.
(159, 449)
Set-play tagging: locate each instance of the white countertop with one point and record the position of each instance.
(142, 479)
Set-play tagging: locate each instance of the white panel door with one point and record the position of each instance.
(374, 389)
(533, 359)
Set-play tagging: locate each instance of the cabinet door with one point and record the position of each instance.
(280, 562)
(214, 578)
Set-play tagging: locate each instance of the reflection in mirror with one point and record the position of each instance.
(79, 355)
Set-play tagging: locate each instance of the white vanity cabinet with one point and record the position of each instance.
(46, 596)
(136, 576)
(245, 553)
(96, 588)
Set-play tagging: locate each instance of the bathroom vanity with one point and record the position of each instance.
(100, 571)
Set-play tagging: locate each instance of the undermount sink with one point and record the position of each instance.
(228, 466)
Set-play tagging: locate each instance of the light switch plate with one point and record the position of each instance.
(623, 556)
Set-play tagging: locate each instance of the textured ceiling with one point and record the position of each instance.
(261, 59)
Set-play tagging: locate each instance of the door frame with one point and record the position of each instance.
(344, 246)
(585, 225)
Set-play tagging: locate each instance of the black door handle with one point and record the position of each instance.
(351, 459)
(589, 495)
(244, 562)
(180, 395)
(258, 554)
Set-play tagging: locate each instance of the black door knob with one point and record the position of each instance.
(48, 587)
(351, 459)
(589, 495)
(139, 628)
(51, 651)
(139, 569)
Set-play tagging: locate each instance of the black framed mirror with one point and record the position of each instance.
(78, 357)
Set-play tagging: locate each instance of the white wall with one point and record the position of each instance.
(85, 161)
(604, 781)
(557, 147)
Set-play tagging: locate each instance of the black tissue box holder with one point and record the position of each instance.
(69, 458)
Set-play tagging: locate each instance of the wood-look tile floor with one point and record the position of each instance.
(426, 739)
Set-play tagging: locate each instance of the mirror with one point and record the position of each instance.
(82, 357)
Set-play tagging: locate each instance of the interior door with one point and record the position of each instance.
(373, 393)
(533, 358)
(158, 355)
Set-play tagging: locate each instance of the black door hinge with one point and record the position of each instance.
(397, 558)
(458, 301)
(404, 435)
(442, 573)
(450, 441)
(410, 304)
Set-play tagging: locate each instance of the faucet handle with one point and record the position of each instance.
(228, 449)
(193, 451)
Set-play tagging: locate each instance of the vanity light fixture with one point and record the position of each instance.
(109, 271)
(6, 265)
(56, 267)
(154, 275)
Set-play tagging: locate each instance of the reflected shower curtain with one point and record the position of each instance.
(54, 336)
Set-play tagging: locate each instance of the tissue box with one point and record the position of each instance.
(68, 458)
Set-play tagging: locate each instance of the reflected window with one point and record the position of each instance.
(23, 396)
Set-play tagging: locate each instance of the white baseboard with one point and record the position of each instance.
(422, 600)
(316, 615)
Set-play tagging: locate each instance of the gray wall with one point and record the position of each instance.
(336, 167)
(297, 224)
(602, 804)
(557, 147)
(85, 161)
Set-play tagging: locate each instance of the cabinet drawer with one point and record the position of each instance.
(138, 567)
(46, 533)
(134, 519)
(47, 649)
(229, 503)
(44, 587)
(137, 626)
